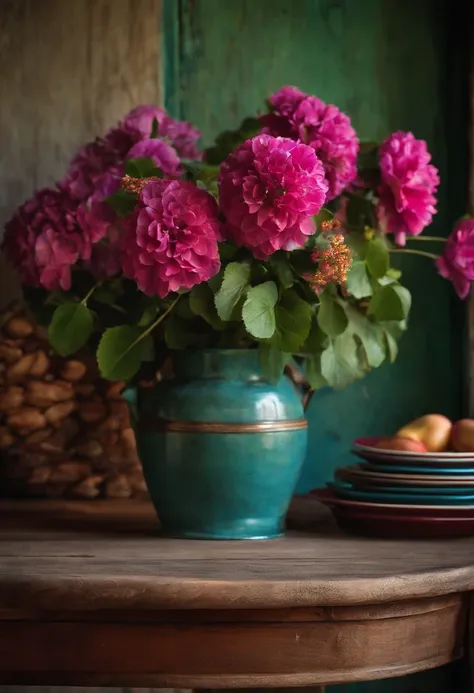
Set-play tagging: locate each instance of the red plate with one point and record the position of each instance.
(403, 526)
(401, 522)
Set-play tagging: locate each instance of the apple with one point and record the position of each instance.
(399, 443)
(433, 430)
(462, 436)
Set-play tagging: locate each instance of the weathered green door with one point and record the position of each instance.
(390, 64)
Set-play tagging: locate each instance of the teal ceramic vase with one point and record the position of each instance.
(221, 447)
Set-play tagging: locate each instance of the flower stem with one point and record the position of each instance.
(409, 251)
(89, 293)
(159, 319)
(437, 239)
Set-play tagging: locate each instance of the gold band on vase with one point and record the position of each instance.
(164, 426)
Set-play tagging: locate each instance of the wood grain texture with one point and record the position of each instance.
(69, 71)
(205, 651)
(111, 552)
(91, 595)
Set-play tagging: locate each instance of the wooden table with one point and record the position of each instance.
(90, 595)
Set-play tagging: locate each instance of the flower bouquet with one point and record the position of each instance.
(276, 240)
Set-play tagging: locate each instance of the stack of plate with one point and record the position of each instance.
(403, 494)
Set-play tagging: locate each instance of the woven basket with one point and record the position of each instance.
(64, 432)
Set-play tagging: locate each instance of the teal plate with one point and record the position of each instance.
(347, 491)
(428, 490)
(448, 471)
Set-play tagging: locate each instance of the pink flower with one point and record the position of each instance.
(94, 218)
(43, 240)
(183, 136)
(321, 126)
(457, 261)
(96, 160)
(172, 243)
(330, 133)
(105, 260)
(140, 120)
(409, 182)
(280, 121)
(269, 189)
(286, 100)
(163, 155)
(180, 134)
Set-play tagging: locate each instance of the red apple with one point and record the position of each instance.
(433, 430)
(462, 436)
(400, 443)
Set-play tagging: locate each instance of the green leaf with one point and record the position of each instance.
(394, 273)
(105, 295)
(391, 302)
(178, 333)
(316, 341)
(358, 245)
(215, 282)
(272, 361)
(70, 327)
(340, 363)
(150, 312)
(392, 346)
(142, 167)
(183, 309)
(280, 264)
(200, 171)
(331, 316)
(405, 297)
(234, 286)
(358, 284)
(121, 352)
(320, 242)
(154, 129)
(370, 334)
(227, 141)
(312, 370)
(324, 214)
(258, 312)
(378, 260)
(293, 322)
(302, 262)
(227, 251)
(148, 349)
(201, 302)
(122, 202)
(56, 298)
(383, 281)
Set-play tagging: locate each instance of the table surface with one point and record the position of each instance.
(51, 551)
(90, 594)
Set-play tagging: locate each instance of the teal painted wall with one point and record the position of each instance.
(390, 64)
(387, 63)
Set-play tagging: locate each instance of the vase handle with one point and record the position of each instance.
(301, 383)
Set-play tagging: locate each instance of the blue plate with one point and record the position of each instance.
(347, 491)
(425, 490)
(446, 471)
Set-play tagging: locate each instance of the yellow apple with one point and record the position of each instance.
(433, 430)
(462, 436)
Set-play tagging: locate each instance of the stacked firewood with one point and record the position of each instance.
(63, 430)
